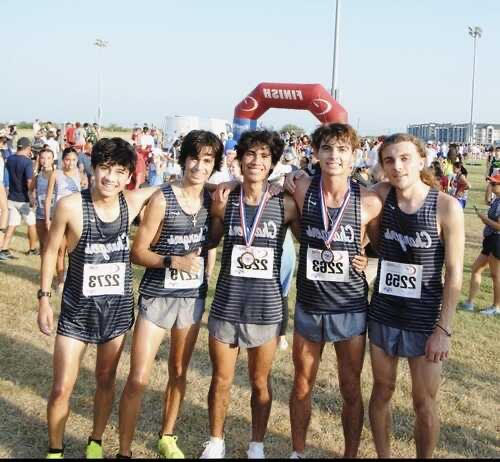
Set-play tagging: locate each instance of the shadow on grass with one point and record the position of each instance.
(463, 373)
(10, 268)
(29, 367)
(21, 435)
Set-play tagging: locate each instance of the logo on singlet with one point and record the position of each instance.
(187, 239)
(422, 239)
(268, 230)
(121, 243)
(344, 234)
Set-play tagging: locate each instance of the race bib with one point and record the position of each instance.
(333, 269)
(400, 279)
(252, 262)
(177, 279)
(104, 279)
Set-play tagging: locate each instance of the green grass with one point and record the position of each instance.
(469, 395)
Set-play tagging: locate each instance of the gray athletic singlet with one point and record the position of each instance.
(181, 234)
(99, 318)
(323, 297)
(250, 300)
(412, 239)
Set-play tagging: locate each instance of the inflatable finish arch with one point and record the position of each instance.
(312, 97)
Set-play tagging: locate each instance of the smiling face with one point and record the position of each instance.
(197, 170)
(111, 179)
(46, 160)
(402, 164)
(256, 163)
(335, 157)
(69, 162)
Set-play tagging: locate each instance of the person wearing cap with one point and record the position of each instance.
(431, 153)
(20, 168)
(490, 253)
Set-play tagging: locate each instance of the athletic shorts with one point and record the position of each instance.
(491, 245)
(168, 312)
(18, 210)
(334, 327)
(242, 335)
(397, 342)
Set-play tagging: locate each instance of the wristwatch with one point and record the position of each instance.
(167, 261)
(41, 294)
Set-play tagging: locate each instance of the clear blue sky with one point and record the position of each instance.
(400, 61)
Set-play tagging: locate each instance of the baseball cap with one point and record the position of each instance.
(429, 142)
(495, 178)
(23, 143)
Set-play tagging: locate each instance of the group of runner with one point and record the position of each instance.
(415, 229)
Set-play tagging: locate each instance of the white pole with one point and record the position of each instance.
(335, 51)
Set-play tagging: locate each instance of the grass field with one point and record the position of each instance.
(469, 395)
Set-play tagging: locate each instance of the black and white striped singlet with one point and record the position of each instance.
(418, 234)
(100, 318)
(250, 300)
(179, 236)
(324, 297)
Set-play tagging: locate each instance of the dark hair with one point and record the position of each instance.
(114, 151)
(195, 141)
(68, 151)
(340, 131)
(459, 165)
(265, 137)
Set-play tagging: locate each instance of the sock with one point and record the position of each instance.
(120, 456)
(55, 450)
(215, 439)
(256, 445)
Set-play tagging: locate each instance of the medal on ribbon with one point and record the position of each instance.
(327, 254)
(247, 257)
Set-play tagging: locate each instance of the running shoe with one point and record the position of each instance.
(55, 455)
(214, 450)
(94, 451)
(491, 311)
(7, 254)
(256, 451)
(467, 306)
(33, 252)
(167, 447)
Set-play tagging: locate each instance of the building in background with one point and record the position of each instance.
(487, 134)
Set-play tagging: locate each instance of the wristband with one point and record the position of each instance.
(167, 261)
(41, 294)
(444, 330)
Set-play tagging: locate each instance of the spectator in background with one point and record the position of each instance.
(12, 135)
(70, 134)
(147, 141)
(53, 145)
(4, 208)
(490, 254)
(79, 137)
(36, 127)
(460, 185)
(157, 168)
(20, 168)
(431, 153)
(85, 165)
(139, 176)
(230, 144)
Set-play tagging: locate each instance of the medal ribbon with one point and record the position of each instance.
(326, 216)
(263, 201)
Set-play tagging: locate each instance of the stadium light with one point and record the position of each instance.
(475, 33)
(100, 44)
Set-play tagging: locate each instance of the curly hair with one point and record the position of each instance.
(261, 137)
(338, 131)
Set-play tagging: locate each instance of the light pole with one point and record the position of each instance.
(100, 44)
(475, 34)
(335, 52)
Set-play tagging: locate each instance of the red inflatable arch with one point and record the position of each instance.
(310, 96)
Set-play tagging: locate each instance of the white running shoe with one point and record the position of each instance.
(296, 455)
(467, 306)
(256, 451)
(214, 450)
(491, 311)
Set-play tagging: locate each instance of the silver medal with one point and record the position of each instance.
(247, 258)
